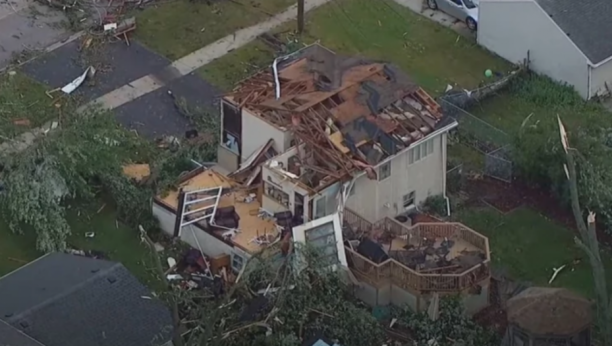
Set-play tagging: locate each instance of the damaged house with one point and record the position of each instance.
(335, 120)
(333, 151)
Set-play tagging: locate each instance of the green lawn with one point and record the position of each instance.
(177, 28)
(225, 72)
(543, 99)
(431, 54)
(119, 242)
(529, 246)
(23, 99)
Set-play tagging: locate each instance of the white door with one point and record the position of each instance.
(324, 234)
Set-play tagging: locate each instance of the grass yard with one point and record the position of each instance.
(544, 99)
(529, 246)
(177, 28)
(119, 242)
(224, 73)
(23, 105)
(431, 54)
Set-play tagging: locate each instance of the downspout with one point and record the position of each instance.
(590, 70)
(275, 70)
(443, 143)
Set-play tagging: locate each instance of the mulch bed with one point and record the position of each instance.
(493, 316)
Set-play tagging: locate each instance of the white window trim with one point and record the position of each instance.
(380, 169)
(411, 205)
(425, 149)
(234, 255)
(299, 234)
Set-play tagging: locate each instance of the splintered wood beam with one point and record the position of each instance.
(327, 152)
(321, 170)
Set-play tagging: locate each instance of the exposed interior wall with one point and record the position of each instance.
(271, 178)
(551, 52)
(256, 132)
(600, 76)
(376, 199)
(191, 234)
(227, 159)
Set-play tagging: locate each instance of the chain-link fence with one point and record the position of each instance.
(455, 179)
(490, 146)
(498, 164)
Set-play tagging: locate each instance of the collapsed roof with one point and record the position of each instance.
(352, 113)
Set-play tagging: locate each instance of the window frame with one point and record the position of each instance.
(268, 185)
(411, 197)
(242, 261)
(385, 167)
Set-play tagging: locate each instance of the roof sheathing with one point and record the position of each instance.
(351, 112)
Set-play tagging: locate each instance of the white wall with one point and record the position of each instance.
(191, 234)
(374, 200)
(256, 132)
(268, 175)
(599, 77)
(511, 28)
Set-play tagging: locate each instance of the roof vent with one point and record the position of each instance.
(111, 279)
(24, 324)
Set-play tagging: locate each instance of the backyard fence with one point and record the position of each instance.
(455, 179)
(498, 164)
(491, 145)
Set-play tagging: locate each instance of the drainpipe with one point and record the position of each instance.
(275, 70)
(443, 141)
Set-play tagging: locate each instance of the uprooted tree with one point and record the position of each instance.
(588, 239)
(82, 160)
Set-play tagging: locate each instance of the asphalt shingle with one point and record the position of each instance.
(10, 336)
(67, 300)
(586, 22)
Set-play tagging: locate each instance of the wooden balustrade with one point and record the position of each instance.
(355, 221)
(392, 271)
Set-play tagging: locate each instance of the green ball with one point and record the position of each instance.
(488, 73)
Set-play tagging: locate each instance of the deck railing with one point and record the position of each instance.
(392, 271)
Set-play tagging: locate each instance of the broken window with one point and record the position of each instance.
(276, 194)
(320, 207)
(237, 262)
(384, 171)
(408, 200)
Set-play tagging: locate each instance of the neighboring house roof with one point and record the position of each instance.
(68, 300)
(10, 336)
(550, 311)
(586, 22)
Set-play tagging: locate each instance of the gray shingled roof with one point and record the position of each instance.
(10, 336)
(67, 300)
(588, 24)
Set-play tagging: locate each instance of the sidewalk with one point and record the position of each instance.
(177, 69)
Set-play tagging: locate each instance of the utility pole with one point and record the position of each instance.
(300, 16)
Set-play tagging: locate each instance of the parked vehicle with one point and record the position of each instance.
(464, 10)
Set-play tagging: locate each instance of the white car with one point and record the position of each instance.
(464, 10)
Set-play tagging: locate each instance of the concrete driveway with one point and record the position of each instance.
(25, 24)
